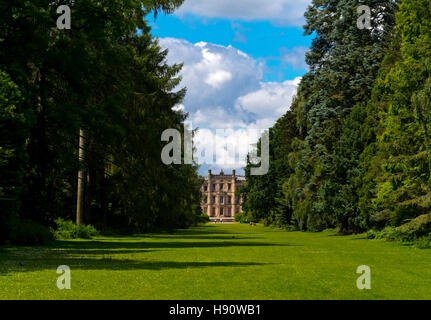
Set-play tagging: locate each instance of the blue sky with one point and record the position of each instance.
(243, 61)
(259, 39)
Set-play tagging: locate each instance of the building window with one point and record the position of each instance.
(221, 186)
(229, 186)
(214, 187)
(205, 188)
(229, 200)
(237, 210)
(221, 200)
(236, 199)
(229, 212)
(213, 200)
(205, 199)
(213, 212)
(221, 211)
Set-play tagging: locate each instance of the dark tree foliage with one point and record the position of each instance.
(14, 127)
(321, 180)
(396, 163)
(109, 77)
(264, 195)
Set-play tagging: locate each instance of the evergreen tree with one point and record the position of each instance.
(108, 77)
(14, 130)
(320, 184)
(401, 187)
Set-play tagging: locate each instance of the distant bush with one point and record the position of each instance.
(423, 243)
(241, 217)
(290, 228)
(417, 232)
(203, 218)
(390, 233)
(372, 234)
(417, 228)
(29, 233)
(66, 229)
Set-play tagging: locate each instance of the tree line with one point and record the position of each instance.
(102, 88)
(354, 149)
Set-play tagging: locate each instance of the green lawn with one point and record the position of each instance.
(218, 262)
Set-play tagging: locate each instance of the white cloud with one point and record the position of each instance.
(272, 98)
(217, 118)
(218, 78)
(225, 148)
(225, 91)
(179, 107)
(280, 11)
(215, 76)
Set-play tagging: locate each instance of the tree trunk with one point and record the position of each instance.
(82, 177)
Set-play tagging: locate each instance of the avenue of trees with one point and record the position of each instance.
(105, 80)
(82, 112)
(354, 150)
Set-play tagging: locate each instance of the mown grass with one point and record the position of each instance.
(218, 262)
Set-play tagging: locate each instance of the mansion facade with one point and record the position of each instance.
(220, 198)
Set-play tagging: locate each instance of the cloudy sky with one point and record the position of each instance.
(242, 60)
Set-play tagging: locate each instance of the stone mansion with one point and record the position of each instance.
(220, 200)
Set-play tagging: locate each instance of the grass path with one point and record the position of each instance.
(218, 262)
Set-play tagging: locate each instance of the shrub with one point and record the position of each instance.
(290, 228)
(403, 214)
(390, 233)
(29, 233)
(424, 242)
(66, 229)
(417, 228)
(203, 218)
(372, 234)
(417, 231)
(241, 217)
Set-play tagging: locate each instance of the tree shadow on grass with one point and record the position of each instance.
(186, 237)
(113, 265)
(122, 247)
(99, 252)
(197, 232)
(84, 255)
(208, 229)
(114, 245)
